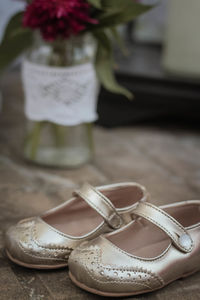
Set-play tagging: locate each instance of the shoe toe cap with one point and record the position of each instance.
(91, 272)
(23, 248)
(18, 241)
(83, 265)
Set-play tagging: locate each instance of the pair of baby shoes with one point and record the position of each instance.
(114, 241)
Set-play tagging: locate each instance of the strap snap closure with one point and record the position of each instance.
(185, 241)
(115, 222)
(167, 223)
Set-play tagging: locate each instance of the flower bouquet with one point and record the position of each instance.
(69, 49)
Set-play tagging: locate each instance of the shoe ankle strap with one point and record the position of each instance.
(101, 204)
(179, 235)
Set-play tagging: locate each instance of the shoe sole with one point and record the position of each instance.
(97, 292)
(107, 294)
(30, 266)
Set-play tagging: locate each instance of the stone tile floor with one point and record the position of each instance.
(165, 160)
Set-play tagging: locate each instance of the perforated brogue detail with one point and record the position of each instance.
(91, 260)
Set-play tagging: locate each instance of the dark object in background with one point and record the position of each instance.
(157, 95)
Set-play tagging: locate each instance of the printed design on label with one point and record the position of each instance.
(66, 96)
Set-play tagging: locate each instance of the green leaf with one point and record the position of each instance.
(104, 66)
(15, 41)
(13, 24)
(118, 38)
(122, 14)
(95, 3)
(117, 5)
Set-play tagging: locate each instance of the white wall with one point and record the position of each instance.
(8, 8)
(150, 27)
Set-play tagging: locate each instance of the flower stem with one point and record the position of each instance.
(89, 127)
(32, 140)
(35, 139)
(59, 53)
(59, 133)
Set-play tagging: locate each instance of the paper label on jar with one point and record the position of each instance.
(66, 96)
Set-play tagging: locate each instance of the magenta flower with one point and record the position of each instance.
(58, 18)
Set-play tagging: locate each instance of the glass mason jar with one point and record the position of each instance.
(48, 143)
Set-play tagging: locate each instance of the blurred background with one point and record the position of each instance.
(153, 139)
(160, 64)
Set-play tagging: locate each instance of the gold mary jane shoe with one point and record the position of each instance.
(46, 242)
(158, 247)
